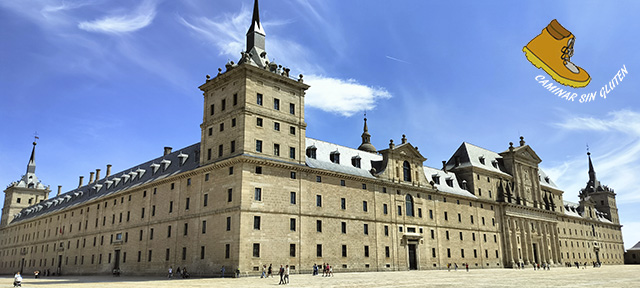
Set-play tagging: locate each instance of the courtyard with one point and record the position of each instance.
(606, 276)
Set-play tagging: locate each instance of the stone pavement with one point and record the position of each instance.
(607, 276)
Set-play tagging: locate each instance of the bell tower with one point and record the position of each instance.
(603, 196)
(23, 193)
(253, 107)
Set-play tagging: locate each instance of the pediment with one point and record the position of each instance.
(409, 151)
(525, 153)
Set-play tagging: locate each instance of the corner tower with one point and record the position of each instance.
(23, 193)
(253, 107)
(603, 196)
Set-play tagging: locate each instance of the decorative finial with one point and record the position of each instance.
(35, 137)
(521, 140)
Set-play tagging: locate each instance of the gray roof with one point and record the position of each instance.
(455, 188)
(180, 161)
(323, 160)
(472, 156)
(571, 209)
(545, 180)
(635, 247)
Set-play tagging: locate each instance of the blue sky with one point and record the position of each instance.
(113, 82)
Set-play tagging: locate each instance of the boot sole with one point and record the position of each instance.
(540, 64)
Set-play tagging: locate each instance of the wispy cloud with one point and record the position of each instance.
(396, 59)
(340, 96)
(618, 143)
(344, 97)
(140, 18)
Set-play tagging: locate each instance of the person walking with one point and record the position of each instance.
(269, 271)
(170, 276)
(281, 273)
(315, 270)
(286, 275)
(17, 280)
(222, 271)
(467, 266)
(264, 271)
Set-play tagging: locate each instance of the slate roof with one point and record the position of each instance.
(471, 156)
(545, 180)
(571, 209)
(455, 188)
(323, 161)
(635, 247)
(182, 160)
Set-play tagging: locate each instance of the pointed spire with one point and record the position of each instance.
(366, 139)
(31, 167)
(255, 35)
(593, 185)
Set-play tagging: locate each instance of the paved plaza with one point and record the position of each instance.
(607, 276)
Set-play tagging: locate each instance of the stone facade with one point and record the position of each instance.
(257, 191)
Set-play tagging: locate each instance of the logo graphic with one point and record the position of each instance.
(552, 51)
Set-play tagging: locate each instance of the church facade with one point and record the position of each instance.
(257, 191)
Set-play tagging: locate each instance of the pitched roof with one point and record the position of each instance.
(182, 160)
(635, 247)
(448, 182)
(323, 158)
(473, 156)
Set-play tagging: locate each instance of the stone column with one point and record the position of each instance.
(524, 241)
(508, 245)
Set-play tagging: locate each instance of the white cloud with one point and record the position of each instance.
(617, 140)
(329, 94)
(140, 18)
(344, 97)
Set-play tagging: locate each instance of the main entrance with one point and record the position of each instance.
(535, 253)
(116, 260)
(413, 261)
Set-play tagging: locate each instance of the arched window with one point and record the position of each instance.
(409, 205)
(406, 171)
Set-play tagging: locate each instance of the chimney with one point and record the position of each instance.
(81, 180)
(59, 189)
(97, 175)
(108, 170)
(444, 166)
(457, 159)
(91, 177)
(167, 150)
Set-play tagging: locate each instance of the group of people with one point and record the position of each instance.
(455, 266)
(284, 274)
(327, 270)
(181, 273)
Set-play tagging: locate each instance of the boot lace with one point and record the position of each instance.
(567, 51)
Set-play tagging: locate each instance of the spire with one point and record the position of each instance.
(366, 139)
(31, 167)
(593, 185)
(255, 35)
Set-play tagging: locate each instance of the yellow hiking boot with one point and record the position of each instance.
(552, 51)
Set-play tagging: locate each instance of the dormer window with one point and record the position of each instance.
(546, 179)
(335, 157)
(355, 161)
(494, 163)
(481, 158)
(311, 151)
(436, 178)
(449, 182)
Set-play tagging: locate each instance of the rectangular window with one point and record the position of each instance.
(430, 214)
(149, 256)
(366, 229)
(221, 127)
(459, 217)
(292, 152)
(205, 201)
(212, 109)
(204, 226)
(184, 253)
(259, 99)
(220, 150)
(364, 206)
(259, 146)
(223, 104)
(232, 146)
(366, 251)
(169, 231)
(387, 252)
(293, 198)
(385, 209)
(343, 203)
(187, 203)
(227, 250)
(318, 225)
(319, 200)
(446, 216)
(276, 104)
(447, 234)
(386, 230)
(202, 252)
(343, 226)
(229, 194)
(153, 210)
(448, 253)
(256, 222)
(209, 154)
(292, 130)
(292, 108)
(259, 122)
(256, 249)
(344, 250)
(462, 253)
(186, 229)
(258, 169)
(276, 149)
(461, 236)
(292, 250)
(235, 99)
(276, 126)
(399, 210)
(292, 224)
(228, 223)
(140, 217)
(343, 183)
(318, 179)
(433, 234)
(258, 194)
(319, 250)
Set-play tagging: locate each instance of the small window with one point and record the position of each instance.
(235, 99)
(318, 179)
(292, 109)
(221, 127)
(292, 224)
(233, 122)
(319, 250)
(319, 200)
(343, 227)
(311, 152)
(223, 104)
(292, 250)
(293, 198)
(233, 147)
(355, 161)
(220, 150)
(292, 130)
(258, 169)
(364, 206)
(259, 122)
(342, 183)
(366, 229)
(385, 209)
(259, 99)
(318, 225)
(343, 203)
(212, 109)
(259, 146)
(258, 194)
(364, 186)
(292, 152)
(276, 149)
(276, 104)
(229, 195)
(228, 223)
(276, 126)
(293, 175)
(210, 131)
(335, 157)
(256, 249)
(256, 222)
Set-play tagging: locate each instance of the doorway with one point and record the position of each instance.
(535, 253)
(116, 260)
(413, 260)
